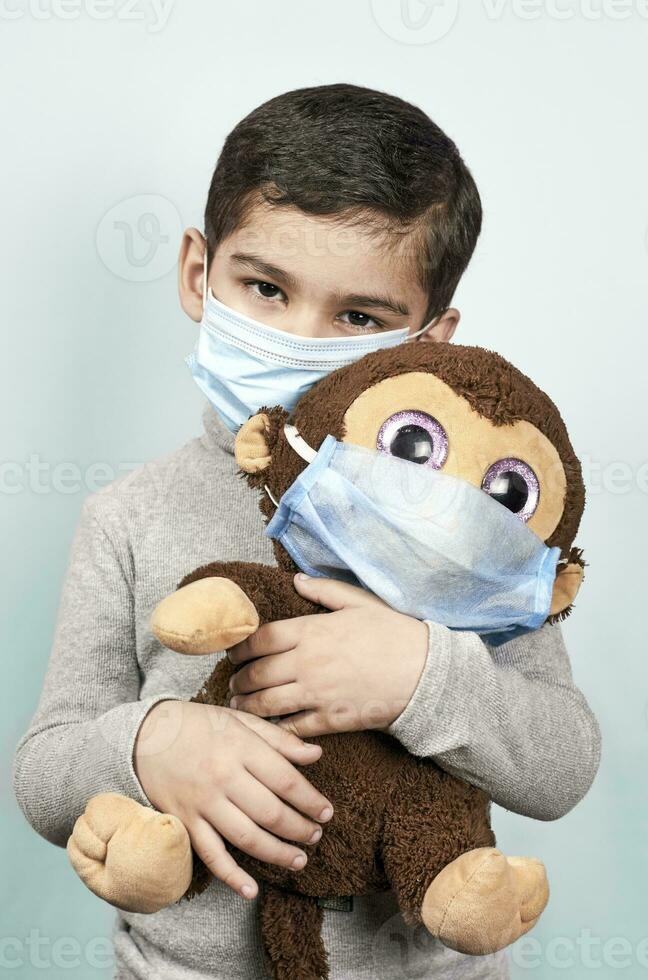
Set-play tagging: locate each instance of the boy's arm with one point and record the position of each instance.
(80, 740)
(508, 719)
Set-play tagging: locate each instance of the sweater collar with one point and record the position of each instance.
(216, 432)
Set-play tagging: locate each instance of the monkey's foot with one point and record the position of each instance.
(483, 901)
(135, 858)
(207, 615)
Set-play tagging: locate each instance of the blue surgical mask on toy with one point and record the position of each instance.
(429, 544)
(242, 365)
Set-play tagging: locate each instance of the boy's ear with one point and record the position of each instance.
(190, 273)
(444, 328)
(252, 444)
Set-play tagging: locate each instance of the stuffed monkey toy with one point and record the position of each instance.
(400, 821)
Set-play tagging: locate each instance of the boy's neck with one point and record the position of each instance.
(218, 435)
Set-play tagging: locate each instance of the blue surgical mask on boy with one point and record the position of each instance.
(242, 365)
(429, 544)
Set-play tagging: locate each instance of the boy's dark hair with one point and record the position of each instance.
(354, 153)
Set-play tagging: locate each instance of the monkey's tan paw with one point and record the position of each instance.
(483, 901)
(135, 858)
(205, 616)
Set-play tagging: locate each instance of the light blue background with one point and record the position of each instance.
(550, 115)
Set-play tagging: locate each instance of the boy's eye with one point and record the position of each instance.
(414, 436)
(512, 483)
(361, 320)
(266, 289)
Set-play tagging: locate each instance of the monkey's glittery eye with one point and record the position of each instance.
(414, 436)
(513, 483)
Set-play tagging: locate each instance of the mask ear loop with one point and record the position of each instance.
(270, 494)
(298, 443)
(422, 330)
(419, 333)
(204, 281)
(300, 446)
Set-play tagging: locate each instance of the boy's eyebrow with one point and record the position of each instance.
(351, 299)
(375, 302)
(262, 267)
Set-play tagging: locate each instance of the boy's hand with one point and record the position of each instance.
(349, 670)
(229, 775)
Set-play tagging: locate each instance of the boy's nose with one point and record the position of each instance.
(307, 323)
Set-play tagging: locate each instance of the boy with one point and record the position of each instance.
(333, 212)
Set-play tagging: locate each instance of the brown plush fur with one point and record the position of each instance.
(285, 917)
(399, 820)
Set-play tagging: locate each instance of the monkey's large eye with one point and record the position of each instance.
(414, 436)
(513, 483)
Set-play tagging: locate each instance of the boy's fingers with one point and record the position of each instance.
(290, 785)
(333, 594)
(273, 701)
(268, 811)
(307, 724)
(290, 746)
(209, 846)
(264, 672)
(277, 637)
(244, 833)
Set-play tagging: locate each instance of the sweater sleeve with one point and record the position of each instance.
(508, 719)
(81, 737)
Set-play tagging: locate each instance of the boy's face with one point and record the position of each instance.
(311, 276)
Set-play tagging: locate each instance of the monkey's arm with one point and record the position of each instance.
(270, 589)
(507, 719)
(220, 604)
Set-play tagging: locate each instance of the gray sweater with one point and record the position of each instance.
(508, 719)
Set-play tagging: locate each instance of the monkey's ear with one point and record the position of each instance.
(566, 586)
(252, 444)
